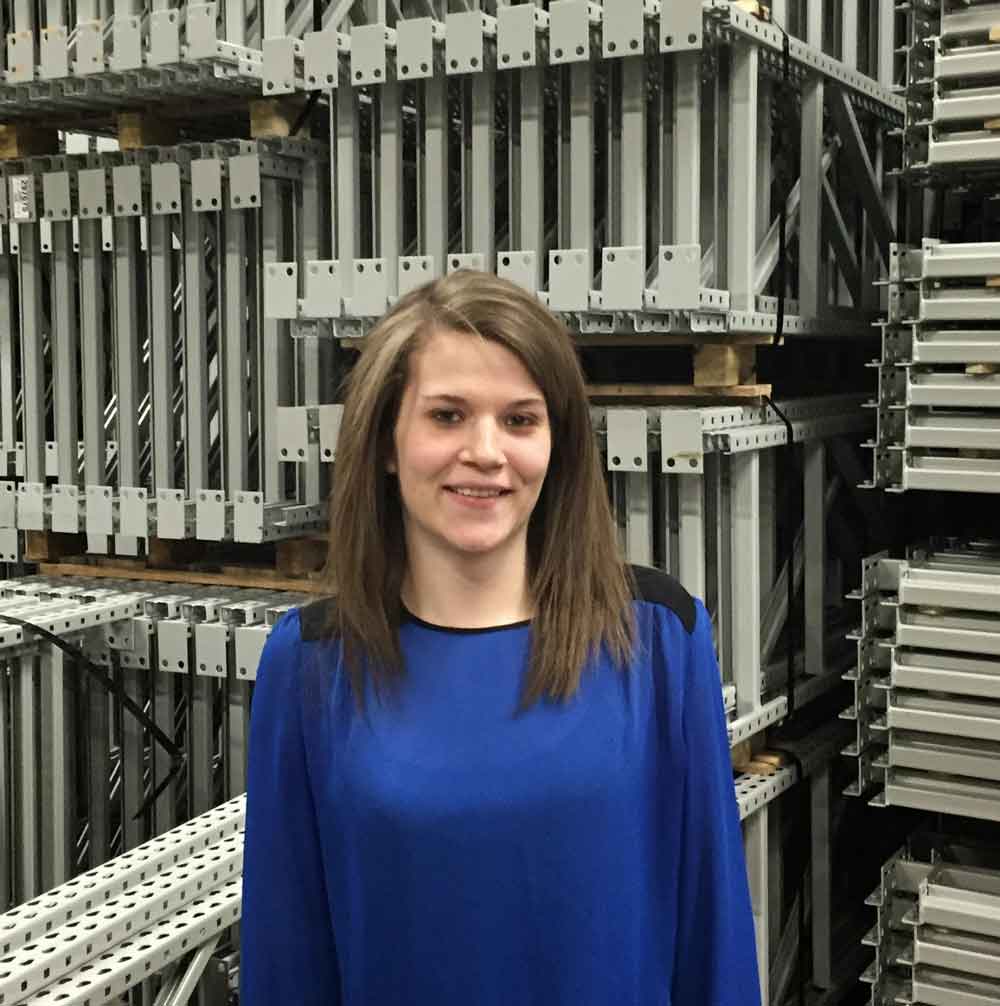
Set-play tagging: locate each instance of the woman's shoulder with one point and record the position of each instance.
(317, 620)
(660, 589)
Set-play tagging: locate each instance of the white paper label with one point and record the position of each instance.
(22, 197)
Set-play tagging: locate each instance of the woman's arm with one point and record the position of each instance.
(716, 960)
(287, 948)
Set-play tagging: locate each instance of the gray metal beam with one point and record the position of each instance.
(835, 231)
(861, 170)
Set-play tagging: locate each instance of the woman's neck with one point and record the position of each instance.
(467, 592)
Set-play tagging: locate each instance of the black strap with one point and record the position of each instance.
(116, 689)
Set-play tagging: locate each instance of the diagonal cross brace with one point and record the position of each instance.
(861, 169)
(835, 232)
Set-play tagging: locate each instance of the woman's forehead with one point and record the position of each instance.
(457, 363)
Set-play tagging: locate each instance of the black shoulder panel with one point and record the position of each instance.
(657, 587)
(314, 619)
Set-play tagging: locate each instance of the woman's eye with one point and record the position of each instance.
(446, 416)
(522, 420)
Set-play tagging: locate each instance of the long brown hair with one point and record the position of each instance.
(580, 585)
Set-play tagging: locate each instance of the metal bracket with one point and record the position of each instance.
(31, 506)
(414, 271)
(134, 512)
(126, 187)
(473, 260)
(569, 279)
(54, 53)
(89, 48)
(164, 37)
(330, 417)
(100, 510)
(519, 267)
(280, 55)
(92, 192)
(281, 290)
(682, 443)
(65, 502)
(681, 24)
(322, 290)
(127, 42)
(206, 184)
(174, 515)
(202, 31)
(294, 432)
(628, 449)
(623, 29)
(623, 278)
(8, 505)
(415, 38)
(368, 53)
(678, 279)
(570, 25)
(371, 289)
(321, 59)
(244, 181)
(465, 41)
(55, 195)
(210, 515)
(165, 188)
(20, 57)
(517, 35)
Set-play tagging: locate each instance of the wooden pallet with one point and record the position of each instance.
(291, 564)
(672, 394)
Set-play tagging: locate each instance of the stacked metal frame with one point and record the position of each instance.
(891, 937)
(564, 148)
(955, 956)
(185, 653)
(179, 428)
(930, 644)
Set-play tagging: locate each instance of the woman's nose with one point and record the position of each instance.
(483, 447)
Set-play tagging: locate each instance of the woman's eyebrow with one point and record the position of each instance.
(521, 403)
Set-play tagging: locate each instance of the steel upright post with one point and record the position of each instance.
(161, 349)
(482, 178)
(26, 828)
(32, 354)
(57, 750)
(687, 149)
(811, 300)
(581, 155)
(128, 338)
(65, 378)
(196, 440)
(742, 182)
(532, 217)
(745, 585)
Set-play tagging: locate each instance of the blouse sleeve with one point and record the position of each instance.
(287, 947)
(716, 961)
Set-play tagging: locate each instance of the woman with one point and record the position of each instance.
(493, 767)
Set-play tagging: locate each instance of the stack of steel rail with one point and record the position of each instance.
(937, 934)
(939, 387)
(934, 622)
(160, 910)
(75, 765)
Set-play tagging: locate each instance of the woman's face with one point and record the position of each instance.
(472, 445)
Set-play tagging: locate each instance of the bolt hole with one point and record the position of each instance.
(637, 461)
(612, 47)
(634, 44)
(692, 38)
(526, 56)
(616, 460)
(558, 53)
(671, 462)
(405, 69)
(454, 64)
